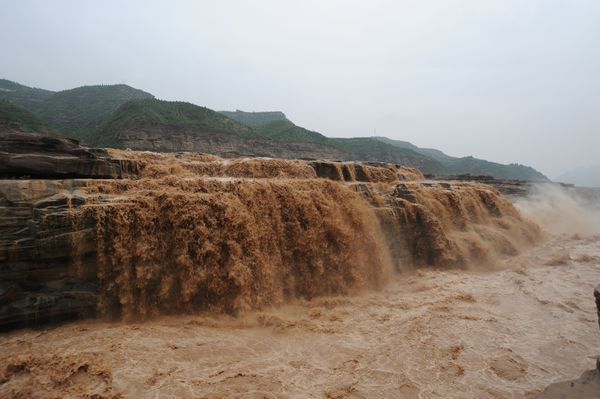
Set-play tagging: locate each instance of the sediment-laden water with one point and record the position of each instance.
(257, 278)
(430, 334)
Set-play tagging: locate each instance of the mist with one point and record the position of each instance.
(560, 210)
(508, 81)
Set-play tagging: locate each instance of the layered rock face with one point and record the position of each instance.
(39, 248)
(168, 138)
(39, 243)
(188, 232)
(171, 138)
(36, 156)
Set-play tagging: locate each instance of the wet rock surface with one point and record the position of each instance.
(40, 246)
(46, 256)
(37, 156)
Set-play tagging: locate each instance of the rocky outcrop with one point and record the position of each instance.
(40, 247)
(40, 242)
(175, 138)
(37, 156)
(597, 297)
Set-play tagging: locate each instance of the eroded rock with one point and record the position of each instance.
(38, 156)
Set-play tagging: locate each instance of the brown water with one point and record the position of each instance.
(296, 286)
(174, 245)
(176, 242)
(155, 165)
(431, 334)
(460, 224)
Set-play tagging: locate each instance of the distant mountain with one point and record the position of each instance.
(75, 112)
(431, 152)
(122, 116)
(178, 126)
(285, 130)
(255, 119)
(282, 130)
(471, 165)
(138, 118)
(588, 176)
(25, 97)
(383, 149)
(16, 118)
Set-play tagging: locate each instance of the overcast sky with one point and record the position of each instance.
(508, 80)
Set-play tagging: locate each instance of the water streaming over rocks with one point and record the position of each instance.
(193, 232)
(176, 246)
(507, 333)
(271, 278)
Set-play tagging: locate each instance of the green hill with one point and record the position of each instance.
(122, 116)
(179, 126)
(25, 97)
(255, 119)
(276, 126)
(175, 115)
(76, 112)
(357, 148)
(17, 118)
(284, 130)
(474, 166)
(79, 112)
(383, 149)
(369, 149)
(471, 165)
(360, 148)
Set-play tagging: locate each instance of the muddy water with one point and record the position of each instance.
(174, 245)
(432, 334)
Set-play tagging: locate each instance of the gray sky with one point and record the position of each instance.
(506, 80)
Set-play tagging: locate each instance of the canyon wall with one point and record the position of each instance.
(155, 137)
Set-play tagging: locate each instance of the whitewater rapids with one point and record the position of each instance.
(431, 334)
